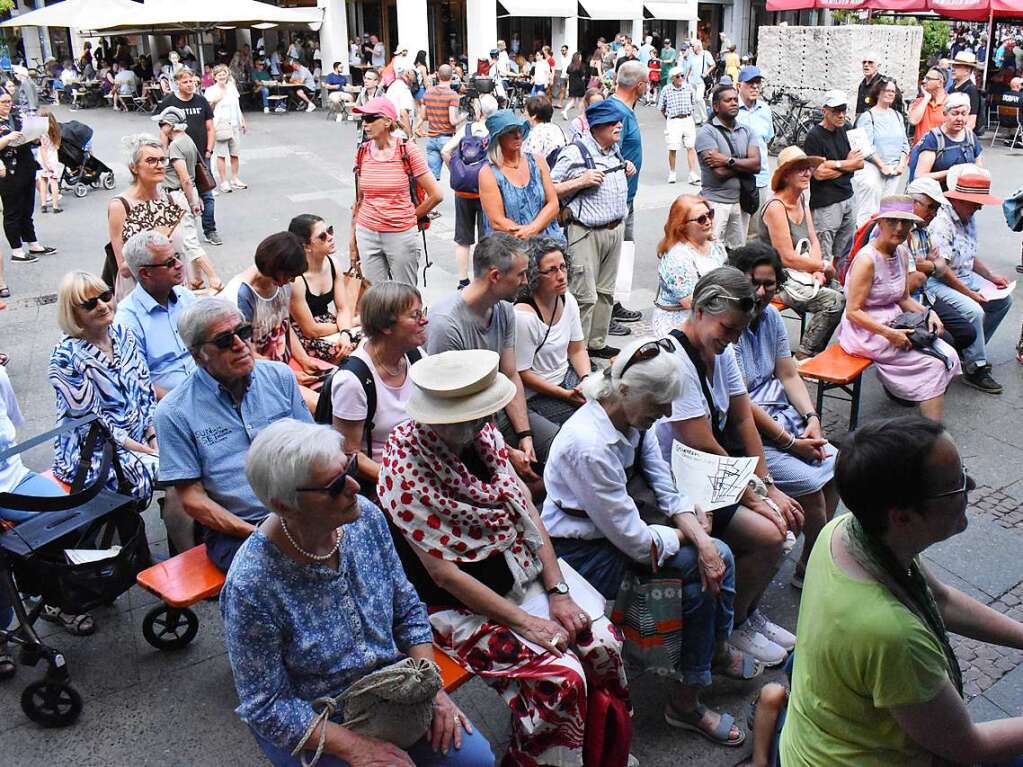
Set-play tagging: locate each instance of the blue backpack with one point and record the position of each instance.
(1012, 208)
(967, 151)
(466, 161)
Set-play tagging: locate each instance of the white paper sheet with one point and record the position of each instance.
(81, 556)
(858, 140)
(711, 481)
(32, 128)
(626, 266)
(583, 594)
(992, 292)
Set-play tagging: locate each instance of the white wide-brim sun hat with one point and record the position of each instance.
(458, 386)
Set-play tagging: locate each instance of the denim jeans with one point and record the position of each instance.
(475, 752)
(433, 158)
(985, 317)
(264, 94)
(209, 223)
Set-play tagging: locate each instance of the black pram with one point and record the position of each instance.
(81, 169)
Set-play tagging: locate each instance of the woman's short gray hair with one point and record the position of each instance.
(488, 105)
(383, 304)
(283, 456)
(197, 318)
(954, 100)
(134, 145)
(657, 377)
(722, 290)
(136, 249)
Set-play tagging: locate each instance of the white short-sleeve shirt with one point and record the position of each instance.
(548, 360)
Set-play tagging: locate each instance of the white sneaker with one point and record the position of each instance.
(266, 110)
(790, 542)
(281, 108)
(311, 107)
(672, 178)
(750, 641)
(339, 119)
(694, 178)
(225, 187)
(771, 631)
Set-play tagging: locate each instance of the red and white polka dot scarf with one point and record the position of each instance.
(446, 510)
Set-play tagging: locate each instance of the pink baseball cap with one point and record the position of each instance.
(381, 105)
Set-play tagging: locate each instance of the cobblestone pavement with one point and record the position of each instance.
(144, 707)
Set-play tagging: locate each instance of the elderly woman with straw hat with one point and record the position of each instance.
(878, 294)
(785, 223)
(474, 547)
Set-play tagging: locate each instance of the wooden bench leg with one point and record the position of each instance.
(821, 388)
(854, 405)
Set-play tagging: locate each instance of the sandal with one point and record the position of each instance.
(750, 669)
(5, 292)
(76, 625)
(691, 721)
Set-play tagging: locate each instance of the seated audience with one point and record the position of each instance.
(550, 349)
(334, 84)
(324, 332)
(303, 78)
(784, 222)
(97, 369)
(474, 547)
(799, 458)
(713, 414)
(876, 680)
(605, 464)
(208, 422)
(263, 295)
(877, 294)
(261, 80)
(322, 545)
(687, 252)
(152, 310)
(394, 327)
(954, 234)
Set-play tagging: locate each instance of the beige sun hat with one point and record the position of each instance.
(790, 158)
(458, 386)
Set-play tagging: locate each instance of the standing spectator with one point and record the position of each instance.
(541, 75)
(727, 150)
(964, 67)
(422, 76)
(578, 76)
(831, 194)
(669, 60)
(561, 78)
(579, 127)
(47, 178)
(626, 54)
(703, 64)
(228, 126)
(952, 143)
(439, 112)
(646, 50)
(199, 119)
(928, 109)
(732, 63)
(544, 136)
(17, 186)
(596, 200)
(399, 92)
(755, 114)
(385, 218)
(886, 135)
(27, 92)
(677, 104)
(871, 76)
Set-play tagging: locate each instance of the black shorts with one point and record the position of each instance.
(468, 220)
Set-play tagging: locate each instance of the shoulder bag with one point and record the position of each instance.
(749, 198)
(204, 181)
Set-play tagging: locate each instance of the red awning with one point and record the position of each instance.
(967, 10)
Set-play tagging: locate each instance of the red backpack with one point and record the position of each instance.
(862, 238)
(608, 730)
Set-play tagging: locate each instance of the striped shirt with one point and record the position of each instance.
(386, 203)
(676, 102)
(436, 101)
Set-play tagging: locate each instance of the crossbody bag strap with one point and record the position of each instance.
(701, 373)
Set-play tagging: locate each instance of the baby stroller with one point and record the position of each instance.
(53, 556)
(81, 169)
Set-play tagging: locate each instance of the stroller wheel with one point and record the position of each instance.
(81, 190)
(51, 704)
(169, 628)
(109, 182)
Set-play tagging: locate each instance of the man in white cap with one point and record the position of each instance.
(964, 66)
(831, 193)
(677, 102)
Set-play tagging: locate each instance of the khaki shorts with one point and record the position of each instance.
(227, 148)
(680, 132)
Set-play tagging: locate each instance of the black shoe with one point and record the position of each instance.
(981, 379)
(617, 329)
(45, 251)
(27, 258)
(622, 314)
(604, 354)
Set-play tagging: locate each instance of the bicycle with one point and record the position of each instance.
(791, 123)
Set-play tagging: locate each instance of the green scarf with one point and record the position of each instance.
(908, 586)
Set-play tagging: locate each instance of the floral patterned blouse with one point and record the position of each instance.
(297, 632)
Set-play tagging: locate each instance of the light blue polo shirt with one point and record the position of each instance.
(204, 435)
(760, 123)
(155, 328)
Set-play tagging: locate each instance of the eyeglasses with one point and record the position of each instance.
(966, 487)
(646, 352)
(563, 268)
(702, 220)
(90, 303)
(328, 232)
(168, 264)
(338, 484)
(157, 162)
(418, 315)
(225, 340)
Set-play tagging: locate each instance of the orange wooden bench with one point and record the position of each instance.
(834, 369)
(191, 577)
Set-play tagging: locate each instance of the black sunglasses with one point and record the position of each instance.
(703, 218)
(225, 340)
(367, 119)
(646, 352)
(337, 485)
(90, 303)
(168, 264)
(322, 236)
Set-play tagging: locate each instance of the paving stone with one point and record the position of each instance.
(981, 709)
(985, 554)
(1007, 692)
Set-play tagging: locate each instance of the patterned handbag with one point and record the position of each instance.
(648, 610)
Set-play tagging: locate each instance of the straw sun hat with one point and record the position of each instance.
(458, 386)
(789, 159)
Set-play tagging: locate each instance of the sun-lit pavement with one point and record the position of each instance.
(146, 707)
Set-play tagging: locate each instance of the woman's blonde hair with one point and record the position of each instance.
(678, 216)
(222, 68)
(72, 291)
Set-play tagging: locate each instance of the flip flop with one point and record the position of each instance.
(751, 667)
(718, 735)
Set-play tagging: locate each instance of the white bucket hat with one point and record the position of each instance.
(458, 386)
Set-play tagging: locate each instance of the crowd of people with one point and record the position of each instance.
(377, 480)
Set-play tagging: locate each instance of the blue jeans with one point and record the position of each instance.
(264, 93)
(538, 90)
(985, 317)
(209, 223)
(475, 752)
(433, 158)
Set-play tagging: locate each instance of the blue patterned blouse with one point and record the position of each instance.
(297, 632)
(118, 390)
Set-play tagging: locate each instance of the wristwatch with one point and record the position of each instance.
(808, 415)
(731, 162)
(558, 589)
(768, 480)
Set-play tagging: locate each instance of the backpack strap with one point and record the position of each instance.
(701, 373)
(358, 368)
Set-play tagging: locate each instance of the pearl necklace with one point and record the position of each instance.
(316, 557)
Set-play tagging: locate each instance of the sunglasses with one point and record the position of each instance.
(368, 119)
(704, 219)
(90, 303)
(646, 352)
(338, 484)
(967, 485)
(168, 264)
(225, 340)
(328, 232)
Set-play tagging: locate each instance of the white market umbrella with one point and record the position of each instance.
(76, 14)
(200, 15)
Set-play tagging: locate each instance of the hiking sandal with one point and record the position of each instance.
(76, 625)
(751, 667)
(691, 721)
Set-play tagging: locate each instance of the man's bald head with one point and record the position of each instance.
(444, 73)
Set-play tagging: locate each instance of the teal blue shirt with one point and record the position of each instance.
(760, 122)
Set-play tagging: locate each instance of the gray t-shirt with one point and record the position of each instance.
(454, 326)
(181, 148)
(709, 137)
